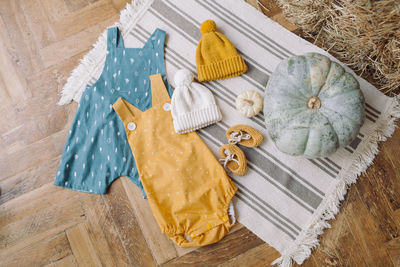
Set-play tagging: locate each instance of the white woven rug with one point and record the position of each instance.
(285, 200)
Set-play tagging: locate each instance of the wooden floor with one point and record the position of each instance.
(41, 41)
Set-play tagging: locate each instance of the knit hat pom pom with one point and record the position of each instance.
(208, 26)
(183, 77)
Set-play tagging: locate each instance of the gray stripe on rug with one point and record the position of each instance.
(235, 20)
(207, 136)
(272, 170)
(239, 196)
(279, 54)
(193, 31)
(249, 192)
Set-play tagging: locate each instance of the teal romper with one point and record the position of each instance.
(96, 151)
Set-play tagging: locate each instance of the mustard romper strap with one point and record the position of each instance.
(158, 90)
(129, 114)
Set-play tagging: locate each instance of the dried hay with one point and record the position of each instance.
(363, 34)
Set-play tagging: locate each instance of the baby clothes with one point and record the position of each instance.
(188, 190)
(96, 151)
(193, 105)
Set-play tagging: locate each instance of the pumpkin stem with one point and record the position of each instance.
(248, 101)
(314, 103)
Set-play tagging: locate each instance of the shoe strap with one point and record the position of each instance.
(236, 137)
(229, 157)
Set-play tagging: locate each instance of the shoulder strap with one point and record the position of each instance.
(159, 93)
(156, 40)
(114, 38)
(126, 111)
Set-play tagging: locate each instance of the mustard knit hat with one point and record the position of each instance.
(216, 57)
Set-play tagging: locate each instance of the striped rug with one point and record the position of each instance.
(285, 200)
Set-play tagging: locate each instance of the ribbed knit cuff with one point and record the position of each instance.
(223, 69)
(189, 122)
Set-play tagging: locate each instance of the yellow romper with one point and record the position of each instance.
(187, 189)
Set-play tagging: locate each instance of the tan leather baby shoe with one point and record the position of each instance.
(233, 159)
(244, 135)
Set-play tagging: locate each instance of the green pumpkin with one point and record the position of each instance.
(312, 106)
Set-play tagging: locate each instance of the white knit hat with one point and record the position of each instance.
(193, 105)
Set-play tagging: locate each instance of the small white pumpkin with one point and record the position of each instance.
(249, 103)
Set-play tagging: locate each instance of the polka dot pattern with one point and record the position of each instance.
(185, 183)
(96, 152)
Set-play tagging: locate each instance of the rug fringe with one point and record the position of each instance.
(308, 239)
(90, 67)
